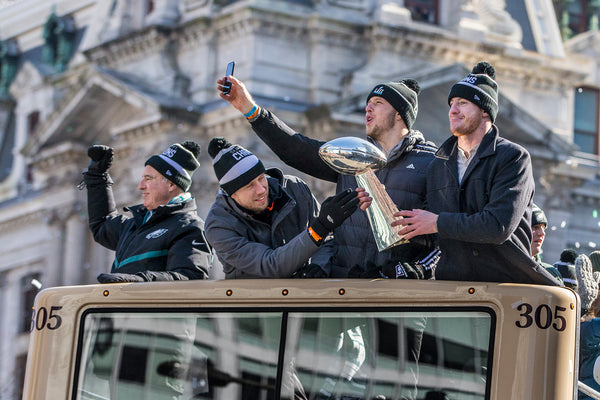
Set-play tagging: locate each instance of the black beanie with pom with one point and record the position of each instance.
(480, 88)
(566, 267)
(177, 163)
(402, 96)
(234, 166)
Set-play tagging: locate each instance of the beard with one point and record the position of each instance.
(383, 126)
(465, 128)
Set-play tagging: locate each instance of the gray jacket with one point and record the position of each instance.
(249, 248)
(403, 177)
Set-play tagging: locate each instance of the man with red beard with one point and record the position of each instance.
(479, 194)
(390, 111)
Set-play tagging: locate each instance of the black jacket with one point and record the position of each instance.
(484, 223)
(169, 246)
(403, 177)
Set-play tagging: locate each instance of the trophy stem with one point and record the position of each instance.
(381, 212)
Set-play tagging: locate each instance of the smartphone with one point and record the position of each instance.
(229, 71)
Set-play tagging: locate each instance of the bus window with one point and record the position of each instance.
(393, 355)
(332, 353)
(137, 355)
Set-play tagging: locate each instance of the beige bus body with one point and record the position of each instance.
(533, 352)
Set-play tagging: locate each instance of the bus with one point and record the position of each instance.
(304, 339)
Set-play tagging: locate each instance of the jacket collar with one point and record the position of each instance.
(486, 148)
(139, 211)
(413, 138)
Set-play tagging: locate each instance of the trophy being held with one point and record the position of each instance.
(355, 156)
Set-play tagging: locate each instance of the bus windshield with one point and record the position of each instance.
(285, 353)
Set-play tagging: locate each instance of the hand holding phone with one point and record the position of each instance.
(228, 72)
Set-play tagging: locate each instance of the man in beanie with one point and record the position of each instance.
(539, 222)
(164, 239)
(566, 268)
(479, 194)
(391, 109)
(267, 225)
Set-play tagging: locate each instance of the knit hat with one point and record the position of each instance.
(402, 96)
(538, 217)
(480, 88)
(177, 163)
(234, 166)
(566, 268)
(595, 259)
(588, 282)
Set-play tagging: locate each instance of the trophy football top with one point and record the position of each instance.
(351, 155)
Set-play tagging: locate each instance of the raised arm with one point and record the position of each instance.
(294, 149)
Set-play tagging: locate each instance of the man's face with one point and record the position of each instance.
(254, 196)
(156, 189)
(539, 233)
(465, 117)
(380, 117)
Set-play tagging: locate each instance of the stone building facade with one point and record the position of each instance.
(139, 75)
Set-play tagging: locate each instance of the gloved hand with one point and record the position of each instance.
(371, 271)
(118, 278)
(401, 270)
(355, 272)
(429, 263)
(334, 211)
(311, 271)
(101, 158)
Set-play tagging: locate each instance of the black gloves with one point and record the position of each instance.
(395, 269)
(334, 211)
(390, 270)
(119, 278)
(372, 271)
(402, 270)
(102, 158)
(311, 271)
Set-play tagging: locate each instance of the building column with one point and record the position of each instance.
(74, 249)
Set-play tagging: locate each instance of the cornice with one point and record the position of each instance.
(195, 33)
(60, 155)
(145, 130)
(30, 218)
(534, 70)
(126, 49)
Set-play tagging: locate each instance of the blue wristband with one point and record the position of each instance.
(252, 111)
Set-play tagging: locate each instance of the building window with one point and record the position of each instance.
(149, 7)
(578, 16)
(30, 286)
(575, 16)
(586, 120)
(423, 10)
(33, 120)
